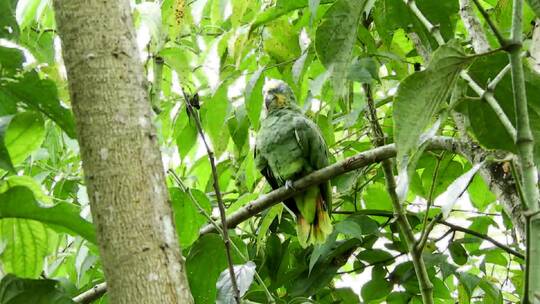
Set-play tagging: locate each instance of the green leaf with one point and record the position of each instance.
(11, 59)
(421, 95)
(14, 290)
(5, 159)
(28, 182)
(281, 8)
(440, 290)
(238, 125)
(19, 203)
(398, 297)
(186, 133)
(244, 277)
(280, 41)
(26, 246)
(469, 281)
(40, 95)
(8, 24)
(535, 5)
(364, 70)
(493, 293)
(206, 260)
(376, 256)
(25, 133)
(458, 253)
(274, 212)
(376, 197)
(327, 129)
(253, 97)
(480, 194)
(357, 226)
(214, 113)
(335, 39)
(187, 217)
(377, 288)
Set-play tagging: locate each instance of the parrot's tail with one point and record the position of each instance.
(316, 231)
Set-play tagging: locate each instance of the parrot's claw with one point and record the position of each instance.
(289, 185)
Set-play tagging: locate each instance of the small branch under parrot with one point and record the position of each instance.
(352, 163)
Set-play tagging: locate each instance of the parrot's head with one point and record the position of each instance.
(277, 95)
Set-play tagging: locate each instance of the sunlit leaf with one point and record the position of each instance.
(24, 135)
(244, 277)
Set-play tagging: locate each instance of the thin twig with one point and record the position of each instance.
(226, 239)
(426, 287)
(425, 231)
(484, 237)
(390, 259)
(502, 41)
(453, 227)
(493, 84)
(219, 230)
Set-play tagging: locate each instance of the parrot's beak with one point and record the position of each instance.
(276, 99)
(268, 99)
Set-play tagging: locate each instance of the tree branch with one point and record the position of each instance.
(453, 227)
(474, 28)
(219, 198)
(355, 162)
(426, 287)
(484, 237)
(502, 41)
(91, 294)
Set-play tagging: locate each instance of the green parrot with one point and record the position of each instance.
(290, 146)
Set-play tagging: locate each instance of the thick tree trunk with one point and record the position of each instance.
(121, 158)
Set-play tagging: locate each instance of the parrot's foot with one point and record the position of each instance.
(289, 185)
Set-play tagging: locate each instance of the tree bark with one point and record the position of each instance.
(121, 159)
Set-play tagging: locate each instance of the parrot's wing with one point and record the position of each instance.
(315, 151)
(263, 167)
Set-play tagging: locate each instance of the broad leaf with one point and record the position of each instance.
(422, 94)
(214, 112)
(377, 288)
(40, 95)
(535, 5)
(188, 218)
(24, 135)
(8, 23)
(458, 253)
(205, 262)
(244, 277)
(19, 203)
(5, 159)
(281, 8)
(335, 39)
(253, 97)
(14, 290)
(26, 246)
